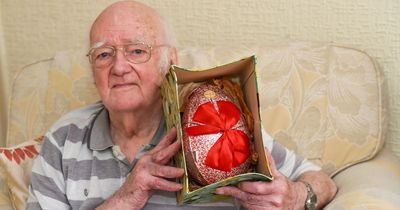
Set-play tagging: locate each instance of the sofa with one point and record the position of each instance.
(326, 102)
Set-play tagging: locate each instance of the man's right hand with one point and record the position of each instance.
(150, 173)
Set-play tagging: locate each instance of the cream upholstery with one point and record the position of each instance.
(323, 101)
(370, 185)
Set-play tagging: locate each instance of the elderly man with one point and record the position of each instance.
(115, 154)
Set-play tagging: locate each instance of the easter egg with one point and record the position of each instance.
(216, 140)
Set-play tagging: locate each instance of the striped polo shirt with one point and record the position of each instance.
(79, 167)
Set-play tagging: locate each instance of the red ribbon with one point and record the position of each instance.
(232, 148)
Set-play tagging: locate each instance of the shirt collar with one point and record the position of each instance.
(100, 136)
(160, 133)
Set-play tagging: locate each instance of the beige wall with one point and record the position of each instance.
(35, 29)
(4, 86)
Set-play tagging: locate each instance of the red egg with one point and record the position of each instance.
(215, 137)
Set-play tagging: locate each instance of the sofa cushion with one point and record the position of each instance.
(371, 185)
(45, 90)
(26, 114)
(17, 164)
(321, 100)
(70, 85)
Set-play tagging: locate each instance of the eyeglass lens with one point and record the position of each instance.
(134, 53)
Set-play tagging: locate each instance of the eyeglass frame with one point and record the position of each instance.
(122, 47)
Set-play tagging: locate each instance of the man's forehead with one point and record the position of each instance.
(126, 31)
(115, 40)
(127, 18)
(127, 34)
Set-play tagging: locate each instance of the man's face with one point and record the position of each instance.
(124, 86)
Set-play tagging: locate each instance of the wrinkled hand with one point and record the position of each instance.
(263, 195)
(152, 173)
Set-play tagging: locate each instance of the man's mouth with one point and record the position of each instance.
(122, 85)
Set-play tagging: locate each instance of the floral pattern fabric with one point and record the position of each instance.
(322, 101)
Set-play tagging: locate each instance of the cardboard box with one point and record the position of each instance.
(242, 71)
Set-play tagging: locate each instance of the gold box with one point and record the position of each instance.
(242, 71)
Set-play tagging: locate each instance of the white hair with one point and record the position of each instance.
(164, 62)
(169, 32)
(169, 39)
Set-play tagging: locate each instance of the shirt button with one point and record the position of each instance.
(86, 192)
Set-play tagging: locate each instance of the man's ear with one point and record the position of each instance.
(173, 56)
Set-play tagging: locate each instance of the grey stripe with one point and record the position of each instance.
(85, 169)
(60, 135)
(89, 204)
(47, 187)
(33, 206)
(76, 134)
(279, 154)
(71, 133)
(299, 160)
(51, 154)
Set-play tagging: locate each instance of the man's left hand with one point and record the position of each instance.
(280, 193)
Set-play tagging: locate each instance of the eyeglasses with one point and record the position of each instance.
(135, 53)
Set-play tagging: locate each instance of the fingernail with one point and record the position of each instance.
(219, 191)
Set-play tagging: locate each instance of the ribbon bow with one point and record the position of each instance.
(232, 148)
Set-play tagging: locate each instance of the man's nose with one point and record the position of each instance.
(121, 64)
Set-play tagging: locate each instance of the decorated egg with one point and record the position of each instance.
(216, 140)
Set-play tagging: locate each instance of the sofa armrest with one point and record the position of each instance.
(373, 184)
